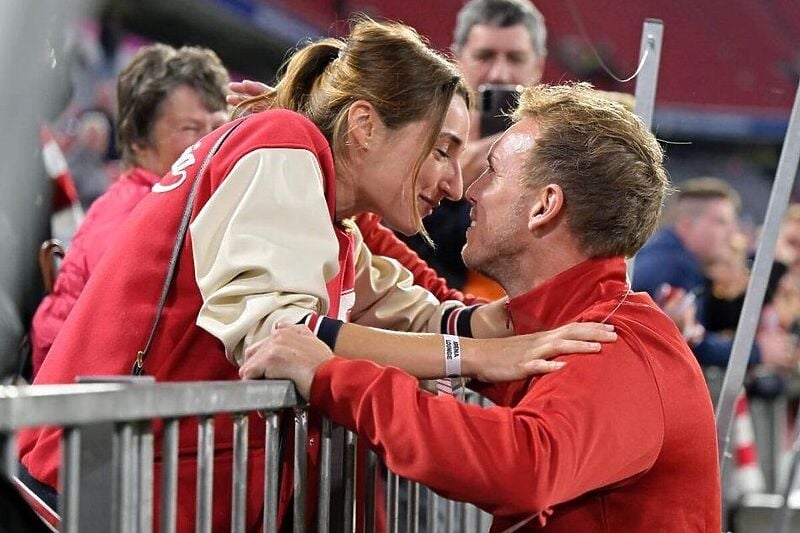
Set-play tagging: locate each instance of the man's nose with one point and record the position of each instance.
(474, 188)
(499, 71)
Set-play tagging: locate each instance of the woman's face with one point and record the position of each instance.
(439, 176)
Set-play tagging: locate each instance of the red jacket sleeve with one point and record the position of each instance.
(590, 425)
(382, 241)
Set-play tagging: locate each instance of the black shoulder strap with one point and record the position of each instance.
(138, 365)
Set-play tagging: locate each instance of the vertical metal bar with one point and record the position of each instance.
(205, 473)
(485, 521)
(757, 286)
(272, 462)
(8, 455)
(239, 489)
(412, 522)
(135, 476)
(300, 464)
(349, 477)
(473, 519)
(122, 509)
(392, 501)
(461, 512)
(324, 503)
(70, 479)
(371, 476)
(647, 79)
(431, 511)
(450, 515)
(169, 476)
(145, 488)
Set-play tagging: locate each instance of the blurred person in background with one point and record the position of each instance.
(86, 158)
(700, 225)
(167, 99)
(270, 241)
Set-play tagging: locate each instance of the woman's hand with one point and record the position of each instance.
(291, 352)
(496, 360)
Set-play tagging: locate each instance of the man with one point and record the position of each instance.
(700, 226)
(619, 441)
(494, 41)
(167, 100)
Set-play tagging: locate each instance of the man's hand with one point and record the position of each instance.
(681, 307)
(513, 358)
(291, 352)
(242, 90)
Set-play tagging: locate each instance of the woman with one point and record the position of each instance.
(269, 242)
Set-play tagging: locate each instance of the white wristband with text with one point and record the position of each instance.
(452, 356)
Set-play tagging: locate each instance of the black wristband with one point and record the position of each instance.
(326, 329)
(458, 321)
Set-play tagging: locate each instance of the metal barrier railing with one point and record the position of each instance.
(132, 409)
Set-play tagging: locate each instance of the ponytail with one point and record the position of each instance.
(301, 73)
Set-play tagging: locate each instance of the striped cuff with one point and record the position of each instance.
(325, 328)
(457, 321)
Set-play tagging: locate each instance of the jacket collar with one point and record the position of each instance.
(563, 298)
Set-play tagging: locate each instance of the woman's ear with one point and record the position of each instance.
(547, 205)
(361, 124)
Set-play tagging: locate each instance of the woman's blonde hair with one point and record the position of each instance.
(384, 63)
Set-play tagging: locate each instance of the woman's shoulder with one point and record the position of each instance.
(283, 126)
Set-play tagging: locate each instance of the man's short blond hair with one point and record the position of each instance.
(608, 164)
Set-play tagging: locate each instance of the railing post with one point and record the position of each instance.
(392, 501)
(205, 473)
(371, 480)
(349, 478)
(70, 473)
(272, 462)
(145, 492)
(169, 476)
(431, 511)
(239, 489)
(122, 508)
(300, 463)
(412, 522)
(324, 500)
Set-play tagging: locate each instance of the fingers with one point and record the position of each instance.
(242, 90)
(250, 370)
(567, 346)
(290, 328)
(538, 367)
(586, 331)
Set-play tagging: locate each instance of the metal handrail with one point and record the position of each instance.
(41, 405)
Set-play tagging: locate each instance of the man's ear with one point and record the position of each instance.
(362, 122)
(548, 203)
